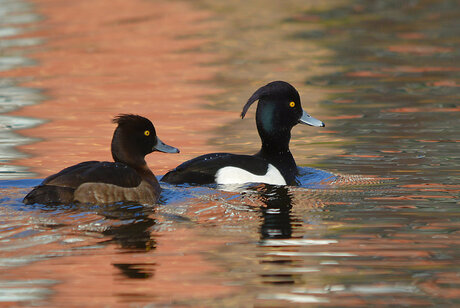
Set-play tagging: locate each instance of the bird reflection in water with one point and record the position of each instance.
(276, 212)
(276, 224)
(131, 226)
(131, 229)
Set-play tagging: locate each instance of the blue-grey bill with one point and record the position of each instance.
(309, 120)
(163, 147)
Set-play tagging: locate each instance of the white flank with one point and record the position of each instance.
(234, 175)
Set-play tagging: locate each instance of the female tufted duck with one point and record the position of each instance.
(127, 179)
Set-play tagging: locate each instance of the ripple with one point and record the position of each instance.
(25, 290)
(5, 32)
(293, 298)
(31, 242)
(296, 242)
(309, 254)
(20, 42)
(10, 62)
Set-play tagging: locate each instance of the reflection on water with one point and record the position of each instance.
(398, 85)
(384, 77)
(276, 214)
(13, 16)
(11, 139)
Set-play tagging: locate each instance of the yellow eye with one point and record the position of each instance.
(291, 104)
(147, 133)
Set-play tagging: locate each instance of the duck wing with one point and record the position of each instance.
(203, 169)
(95, 172)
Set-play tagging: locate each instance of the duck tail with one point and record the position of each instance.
(47, 194)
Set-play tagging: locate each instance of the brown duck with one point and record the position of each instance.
(127, 179)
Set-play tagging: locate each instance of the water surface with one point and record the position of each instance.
(375, 221)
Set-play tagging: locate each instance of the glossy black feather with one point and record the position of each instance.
(203, 169)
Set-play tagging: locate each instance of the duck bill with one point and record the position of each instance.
(309, 120)
(163, 147)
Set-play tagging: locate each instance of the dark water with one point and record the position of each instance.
(379, 227)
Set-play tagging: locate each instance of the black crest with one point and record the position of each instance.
(274, 88)
(131, 119)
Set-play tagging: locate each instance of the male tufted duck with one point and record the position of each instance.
(278, 111)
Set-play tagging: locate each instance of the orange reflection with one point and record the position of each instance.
(370, 74)
(103, 58)
(419, 50)
(417, 69)
(445, 83)
(361, 156)
(179, 272)
(422, 109)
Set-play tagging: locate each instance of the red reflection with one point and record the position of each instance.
(103, 58)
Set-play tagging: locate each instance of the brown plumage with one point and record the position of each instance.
(128, 178)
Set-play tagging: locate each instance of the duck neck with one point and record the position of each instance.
(137, 162)
(120, 155)
(275, 149)
(142, 169)
(147, 174)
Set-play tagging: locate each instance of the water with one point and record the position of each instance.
(375, 221)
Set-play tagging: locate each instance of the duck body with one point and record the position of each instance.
(278, 111)
(126, 179)
(97, 183)
(225, 168)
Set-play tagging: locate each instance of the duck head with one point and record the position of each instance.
(135, 137)
(278, 111)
